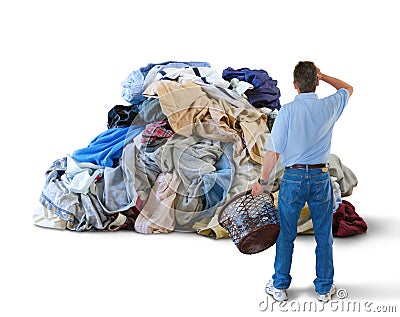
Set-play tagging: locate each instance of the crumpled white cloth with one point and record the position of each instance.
(240, 87)
(80, 176)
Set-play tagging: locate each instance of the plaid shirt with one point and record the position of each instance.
(156, 130)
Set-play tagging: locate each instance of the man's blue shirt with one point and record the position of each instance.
(302, 131)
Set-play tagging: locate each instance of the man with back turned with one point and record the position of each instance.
(301, 137)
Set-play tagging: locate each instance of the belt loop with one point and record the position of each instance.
(307, 168)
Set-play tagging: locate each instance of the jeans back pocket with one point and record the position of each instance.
(290, 190)
(323, 190)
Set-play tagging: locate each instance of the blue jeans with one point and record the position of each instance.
(299, 186)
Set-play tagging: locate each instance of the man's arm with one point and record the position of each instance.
(268, 165)
(337, 83)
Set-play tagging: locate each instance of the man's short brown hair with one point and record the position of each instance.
(305, 76)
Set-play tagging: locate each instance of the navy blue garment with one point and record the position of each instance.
(121, 116)
(265, 92)
(106, 148)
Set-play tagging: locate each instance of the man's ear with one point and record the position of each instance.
(317, 84)
(296, 87)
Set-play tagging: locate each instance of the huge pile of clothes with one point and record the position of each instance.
(188, 141)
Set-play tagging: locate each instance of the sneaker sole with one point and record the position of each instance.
(331, 292)
(272, 293)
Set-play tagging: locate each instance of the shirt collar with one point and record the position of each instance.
(306, 95)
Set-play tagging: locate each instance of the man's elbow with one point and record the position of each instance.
(273, 155)
(350, 90)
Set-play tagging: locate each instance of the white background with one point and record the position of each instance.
(61, 67)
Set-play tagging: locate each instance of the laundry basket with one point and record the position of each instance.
(251, 221)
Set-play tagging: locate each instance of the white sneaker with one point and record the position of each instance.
(279, 295)
(328, 296)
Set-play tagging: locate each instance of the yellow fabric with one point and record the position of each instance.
(305, 225)
(211, 228)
